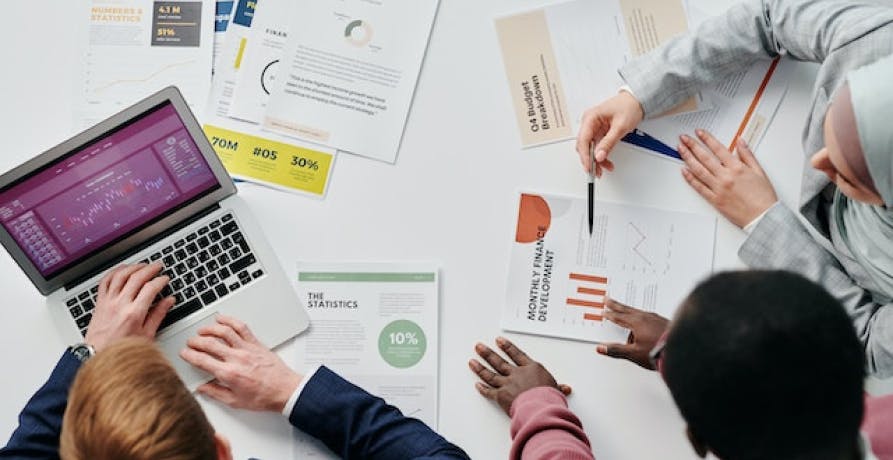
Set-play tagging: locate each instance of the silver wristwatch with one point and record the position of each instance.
(82, 351)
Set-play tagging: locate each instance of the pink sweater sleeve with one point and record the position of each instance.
(878, 425)
(543, 428)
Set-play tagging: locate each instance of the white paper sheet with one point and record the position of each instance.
(349, 72)
(559, 275)
(577, 47)
(137, 47)
(261, 61)
(375, 324)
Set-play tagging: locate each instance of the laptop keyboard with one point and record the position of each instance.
(206, 265)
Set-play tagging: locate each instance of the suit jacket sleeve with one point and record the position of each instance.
(40, 423)
(781, 241)
(357, 425)
(543, 428)
(806, 30)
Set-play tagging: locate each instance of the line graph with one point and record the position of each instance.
(124, 81)
(637, 247)
(648, 248)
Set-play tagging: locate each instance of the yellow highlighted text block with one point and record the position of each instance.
(264, 160)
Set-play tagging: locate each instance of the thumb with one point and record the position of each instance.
(157, 314)
(607, 143)
(615, 350)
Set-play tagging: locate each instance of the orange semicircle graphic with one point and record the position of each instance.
(534, 218)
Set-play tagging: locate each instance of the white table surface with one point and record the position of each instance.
(449, 198)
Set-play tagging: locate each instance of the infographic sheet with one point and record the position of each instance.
(137, 47)
(559, 275)
(248, 152)
(376, 324)
(261, 59)
(348, 73)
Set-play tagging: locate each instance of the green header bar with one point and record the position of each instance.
(367, 277)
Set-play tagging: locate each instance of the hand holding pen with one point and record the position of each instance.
(604, 126)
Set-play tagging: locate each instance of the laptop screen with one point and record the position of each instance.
(106, 190)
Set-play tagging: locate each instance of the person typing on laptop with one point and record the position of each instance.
(128, 401)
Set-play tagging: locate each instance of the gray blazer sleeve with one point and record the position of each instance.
(781, 241)
(806, 30)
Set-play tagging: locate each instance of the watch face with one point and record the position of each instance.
(82, 351)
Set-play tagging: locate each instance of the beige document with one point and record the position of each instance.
(563, 58)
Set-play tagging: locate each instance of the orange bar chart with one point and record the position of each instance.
(590, 278)
(585, 303)
(588, 291)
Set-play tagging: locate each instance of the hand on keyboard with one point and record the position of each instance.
(125, 306)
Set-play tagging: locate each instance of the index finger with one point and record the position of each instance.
(240, 327)
(713, 144)
(519, 357)
(493, 358)
(202, 361)
(616, 306)
(138, 279)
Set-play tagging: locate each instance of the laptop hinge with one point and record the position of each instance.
(160, 236)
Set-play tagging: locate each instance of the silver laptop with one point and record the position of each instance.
(145, 186)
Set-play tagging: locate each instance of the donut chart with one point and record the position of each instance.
(358, 33)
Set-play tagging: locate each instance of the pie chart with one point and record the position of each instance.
(358, 33)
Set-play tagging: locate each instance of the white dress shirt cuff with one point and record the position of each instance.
(627, 89)
(293, 400)
(748, 229)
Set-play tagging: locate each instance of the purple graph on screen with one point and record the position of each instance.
(112, 202)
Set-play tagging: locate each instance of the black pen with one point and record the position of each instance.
(591, 186)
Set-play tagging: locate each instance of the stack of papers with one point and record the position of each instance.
(280, 86)
(299, 82)
(563, 58)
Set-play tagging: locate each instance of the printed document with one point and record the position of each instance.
(559, 274)
(231, 53)
(375, 324)
(562, 59)
(247, 152)
(260, 60)
(224, 10)
(348, 73)
(137, 47)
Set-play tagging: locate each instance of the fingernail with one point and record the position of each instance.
(699, 132)
(742, 142)
(601, 349)
(601, 155)
(479, 346)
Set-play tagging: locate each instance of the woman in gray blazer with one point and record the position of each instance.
(843, 236)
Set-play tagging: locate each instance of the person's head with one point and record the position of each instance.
(858, 139)
(766, 365)
(128, 402)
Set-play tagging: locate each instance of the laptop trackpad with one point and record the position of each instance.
(171, 347)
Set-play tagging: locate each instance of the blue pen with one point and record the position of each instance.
(642, 139)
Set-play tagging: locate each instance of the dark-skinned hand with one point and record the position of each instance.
(506, 381)
(645, 330)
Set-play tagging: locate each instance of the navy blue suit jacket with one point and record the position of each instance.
(351, 422)
(355, 424)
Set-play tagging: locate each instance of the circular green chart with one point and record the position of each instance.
(402, 344)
